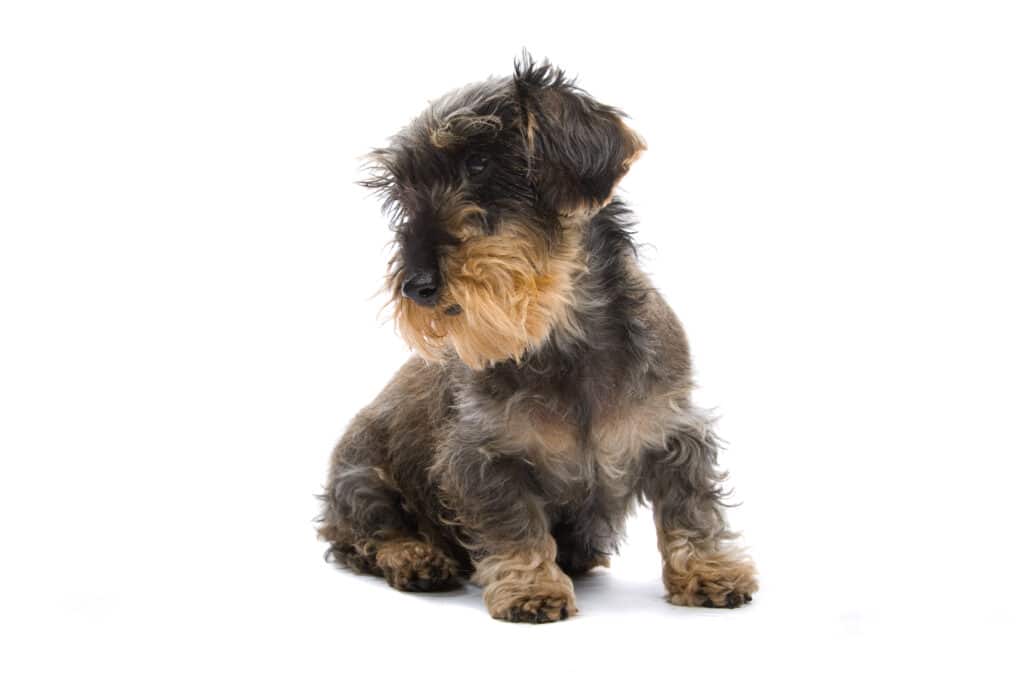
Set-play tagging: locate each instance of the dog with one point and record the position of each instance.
(550, 392)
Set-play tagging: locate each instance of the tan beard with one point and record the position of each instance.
(504, 294)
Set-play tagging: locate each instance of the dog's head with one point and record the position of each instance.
(489, 191)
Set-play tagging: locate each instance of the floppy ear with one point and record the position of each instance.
(578, 149)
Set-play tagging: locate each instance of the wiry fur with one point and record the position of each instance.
(511, 289)
(552, 388)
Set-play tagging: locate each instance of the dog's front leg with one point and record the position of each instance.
(501, 514)
(700, 566)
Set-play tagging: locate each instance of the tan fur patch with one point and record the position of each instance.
(588, 209)
(455, 129)
(621, 434)
(511, 288)
(526, 585)
(698, 576)
(535, 430)
(636, 142)
(410, 564)
(630, 428)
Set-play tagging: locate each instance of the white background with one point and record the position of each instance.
(832, 201)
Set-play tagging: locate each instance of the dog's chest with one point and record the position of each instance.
(584, 425)
(607, 438)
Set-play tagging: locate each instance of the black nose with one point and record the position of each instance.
(422, 286)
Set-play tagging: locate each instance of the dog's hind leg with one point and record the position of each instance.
(366, 520)
(370, 533)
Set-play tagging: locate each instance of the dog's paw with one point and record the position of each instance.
(411, 565)
(526, 587)
(714, 581)
(540, 609)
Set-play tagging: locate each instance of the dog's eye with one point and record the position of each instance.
(476, 164)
